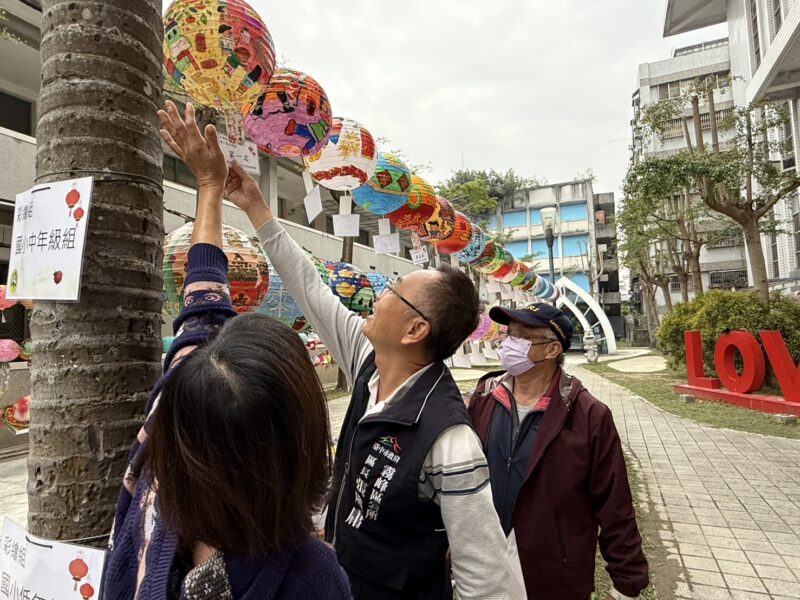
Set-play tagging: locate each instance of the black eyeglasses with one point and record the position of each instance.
(389, 286)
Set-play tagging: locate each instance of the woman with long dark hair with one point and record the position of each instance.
(234, 456)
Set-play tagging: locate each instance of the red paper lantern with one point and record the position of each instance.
(419, 207)
(440, 225)
(459, 239)
(78, 569)
(87, 591)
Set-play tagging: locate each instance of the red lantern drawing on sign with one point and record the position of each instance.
(87, 591)
(78, 569)
(73, 197)
(79, 212)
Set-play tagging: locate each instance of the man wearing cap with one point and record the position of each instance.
(556, 464)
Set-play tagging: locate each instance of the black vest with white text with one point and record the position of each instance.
(392, 543)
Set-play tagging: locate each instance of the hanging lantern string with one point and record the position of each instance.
(105, 175)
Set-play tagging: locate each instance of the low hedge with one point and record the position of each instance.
(716, 311)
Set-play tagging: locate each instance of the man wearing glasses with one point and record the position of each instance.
(556, 463)
(410, 478)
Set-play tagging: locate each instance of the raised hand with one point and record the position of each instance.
(244, 192)
(202, 155)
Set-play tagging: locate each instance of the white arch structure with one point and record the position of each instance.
(595, 309)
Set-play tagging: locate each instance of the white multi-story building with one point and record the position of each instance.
(584, 230)
(765, 57)
(723, 263)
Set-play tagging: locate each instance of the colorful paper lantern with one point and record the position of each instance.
(218, 51)
(419, 207)
(484, 325)
(459, 239)
(9, 350)
(5, 303)
(378, 281)
(26, 350)
(18, 415)
(477, 242)
(280, 304)
(509, 264)
(347, 160)
(86, 591)
(292, 117)
(351, 286)
(440, 225)
(387, 189)
(489, 263)
(248, 273)
(511, 275)
(519, 278)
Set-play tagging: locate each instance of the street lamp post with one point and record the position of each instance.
(548, 221)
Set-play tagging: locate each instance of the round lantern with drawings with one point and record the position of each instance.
(279, 304)
(378, 281)
(488, 263)
(292, 117)
(419, 207)
(9, 351)
(347, 160)
(509, 264)
(519, 277)
(441, 223)
(459, 239)
(387, 189)
(477, 242)
(352, 287)
(484, 325)
(248, 273)
(218, 51)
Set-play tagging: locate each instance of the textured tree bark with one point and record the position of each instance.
(95, 360)
(755, 252)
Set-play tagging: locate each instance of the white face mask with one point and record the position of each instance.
(514, 355)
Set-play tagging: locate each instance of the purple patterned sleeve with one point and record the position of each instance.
(206, 301)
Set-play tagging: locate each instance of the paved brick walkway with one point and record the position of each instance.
(722, 506)
(726, 503)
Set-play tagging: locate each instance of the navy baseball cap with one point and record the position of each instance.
(537, 315)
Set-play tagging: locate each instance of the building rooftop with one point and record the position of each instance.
(685, 50)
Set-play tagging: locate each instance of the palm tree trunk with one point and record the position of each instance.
(96, 359)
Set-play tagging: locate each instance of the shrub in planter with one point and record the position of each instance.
(717, 311)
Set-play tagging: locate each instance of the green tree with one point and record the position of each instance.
(737, 177)
(97, 359)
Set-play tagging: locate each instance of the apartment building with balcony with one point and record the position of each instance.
(765, 65)
(576, 248)
(723, 263)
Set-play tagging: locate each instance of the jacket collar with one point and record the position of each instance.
(407, 410)
(257, 579)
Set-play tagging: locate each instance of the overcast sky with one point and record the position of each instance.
(540, 86)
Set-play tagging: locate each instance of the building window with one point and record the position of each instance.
(675, 284)
(728, 280)
(787, 156)
(674, 89)
(777, 10)
(729, 239)
(773, 250)
(796, 221)
(674, 128)
(16, 114)
(754, 34)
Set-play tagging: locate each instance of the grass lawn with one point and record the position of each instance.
(657, 389)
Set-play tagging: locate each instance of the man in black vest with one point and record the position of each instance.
(410, 478)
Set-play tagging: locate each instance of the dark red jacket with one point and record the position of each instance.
(576, 483)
